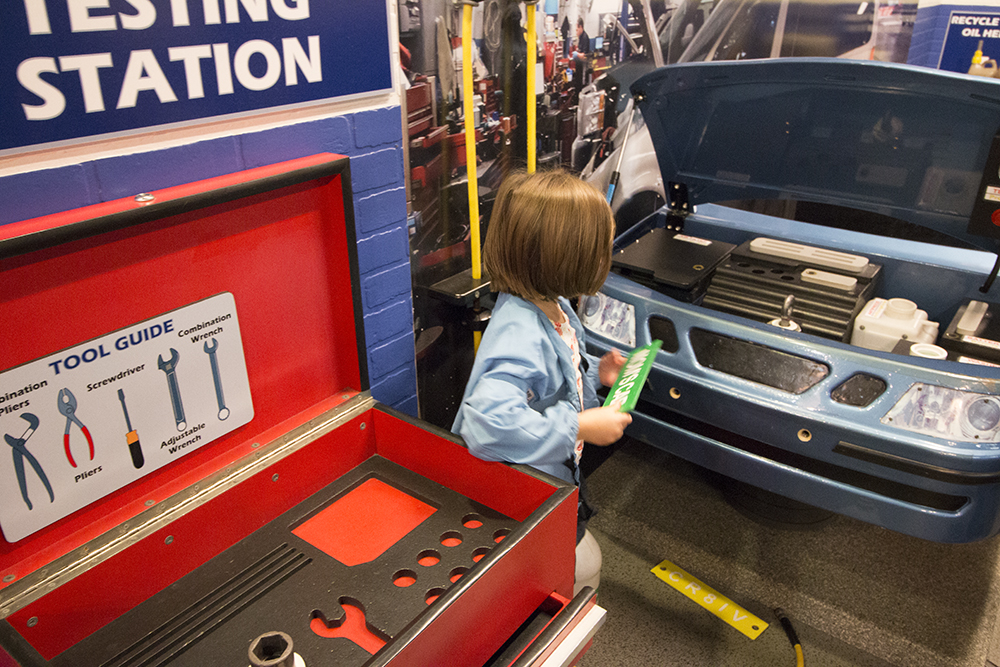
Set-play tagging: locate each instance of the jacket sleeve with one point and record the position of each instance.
(498, 423)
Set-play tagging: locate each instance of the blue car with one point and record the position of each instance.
(821, 279)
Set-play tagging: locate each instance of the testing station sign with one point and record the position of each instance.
(82, 68)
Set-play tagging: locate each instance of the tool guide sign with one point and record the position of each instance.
(88, 420)
(80, 68)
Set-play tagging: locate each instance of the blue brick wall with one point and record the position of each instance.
(373, 141)
(929, 30)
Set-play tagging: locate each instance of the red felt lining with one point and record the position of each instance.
(353, 627)
(361, 525)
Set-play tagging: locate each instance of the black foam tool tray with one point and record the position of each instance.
(275, 581)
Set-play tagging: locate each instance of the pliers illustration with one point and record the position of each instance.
(67, 406)
(20, 452)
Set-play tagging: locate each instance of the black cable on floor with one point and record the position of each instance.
(793, 637)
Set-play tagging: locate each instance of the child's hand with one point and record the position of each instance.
(603, 426)
(610, 366)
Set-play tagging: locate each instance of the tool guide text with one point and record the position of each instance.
(85, 421)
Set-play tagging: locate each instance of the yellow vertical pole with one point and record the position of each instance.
(470, 147)
(531, 101)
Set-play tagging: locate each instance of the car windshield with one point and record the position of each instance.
(685, 22)
(746, 29)
(809, 28)
(737, 30)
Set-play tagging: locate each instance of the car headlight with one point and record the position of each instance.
(608, 317)
(946, 413)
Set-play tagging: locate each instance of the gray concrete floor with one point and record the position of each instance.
(857, 595)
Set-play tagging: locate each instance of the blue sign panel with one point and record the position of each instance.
(80, 68)
(967, 33)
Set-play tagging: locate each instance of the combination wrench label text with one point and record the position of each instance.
(88, 420)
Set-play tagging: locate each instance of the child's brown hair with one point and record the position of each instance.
(549, 236)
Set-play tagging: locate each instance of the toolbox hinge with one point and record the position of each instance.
(678, 207)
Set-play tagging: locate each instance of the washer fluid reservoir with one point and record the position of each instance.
(884, 322)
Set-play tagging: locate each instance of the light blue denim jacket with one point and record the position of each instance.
(521, 403)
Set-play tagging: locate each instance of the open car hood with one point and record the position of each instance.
(902, 141)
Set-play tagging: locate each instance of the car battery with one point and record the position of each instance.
(974, 332)
(678, 265)
(199, 474)
(828, 287)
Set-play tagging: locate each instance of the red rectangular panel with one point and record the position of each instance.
(361, 525)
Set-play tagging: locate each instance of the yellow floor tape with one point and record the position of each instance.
(707, 597)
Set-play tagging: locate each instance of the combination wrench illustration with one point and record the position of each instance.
(170, 369)
(210, 347)
(20, 452)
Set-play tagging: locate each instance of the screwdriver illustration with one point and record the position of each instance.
(131, 437)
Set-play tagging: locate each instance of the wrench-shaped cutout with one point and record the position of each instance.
(170, 368)
(210, 347)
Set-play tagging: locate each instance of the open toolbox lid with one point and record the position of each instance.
(910, 143)
(103, 304)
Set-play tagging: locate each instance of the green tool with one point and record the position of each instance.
(625, 392)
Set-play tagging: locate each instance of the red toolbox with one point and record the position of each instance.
(198, 474)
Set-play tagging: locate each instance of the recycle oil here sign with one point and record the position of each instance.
(625, 391)
(86, 421)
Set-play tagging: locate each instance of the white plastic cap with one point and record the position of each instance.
(900, 309)
(928, 351)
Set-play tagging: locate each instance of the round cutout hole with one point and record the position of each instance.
(451, 539)
(404, 578)
(428, 558)
(433, 594)
(472, 521)
(805, 435)
(500, 535)
(478, 554)
(675, 393)
(457, 573)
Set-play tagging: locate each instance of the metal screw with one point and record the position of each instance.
(33, 621)
(256, 445)
(363, 425)
(9, 578)
(150, 503)
(169, 540)
(144, 197)
(274, 477)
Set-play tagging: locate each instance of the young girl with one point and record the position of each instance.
(531, 397)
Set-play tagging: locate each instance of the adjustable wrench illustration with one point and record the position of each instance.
(210, 351)
(170, 369)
